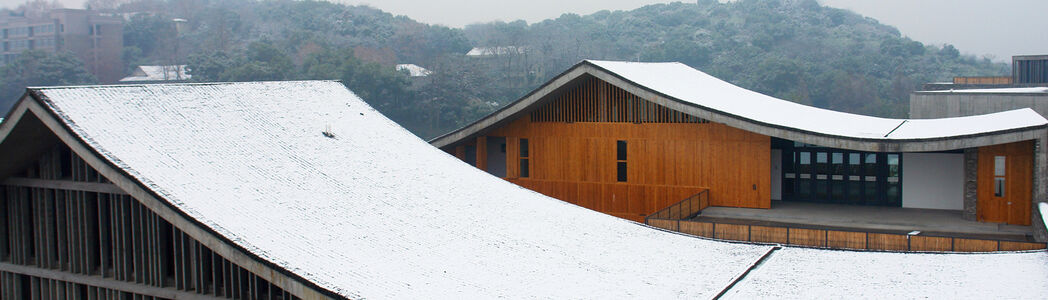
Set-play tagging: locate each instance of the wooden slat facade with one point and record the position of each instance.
(840, 239)
(572, 142)
(61, 242)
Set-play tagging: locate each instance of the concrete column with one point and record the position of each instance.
(1040, 190)
(971, 196)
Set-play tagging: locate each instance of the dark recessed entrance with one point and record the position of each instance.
(827, 175)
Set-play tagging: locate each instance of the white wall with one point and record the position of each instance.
(933, 180)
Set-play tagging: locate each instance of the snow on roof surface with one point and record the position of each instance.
(375, 212)
(495, 51)
(799, 273)
(1025, 90)
(414, 70)
(158, 73)
(682, 82)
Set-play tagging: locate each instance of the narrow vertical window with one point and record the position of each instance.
(998, 176)
(525, 172)
(621, 160)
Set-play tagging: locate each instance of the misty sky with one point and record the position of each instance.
(979, 27)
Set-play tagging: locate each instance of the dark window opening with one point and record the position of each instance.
(998, 187)
(523, 147)
(999, 172)
(622, 171)
(524, 171)
(621, 150)
(621, 158)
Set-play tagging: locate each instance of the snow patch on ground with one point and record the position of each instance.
(800, 273)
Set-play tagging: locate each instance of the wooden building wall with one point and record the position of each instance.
(670, 155)
(1015, 206)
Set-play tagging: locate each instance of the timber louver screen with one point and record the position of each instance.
(100, 231)
(595, 100)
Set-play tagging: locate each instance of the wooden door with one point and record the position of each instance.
(1005, 183)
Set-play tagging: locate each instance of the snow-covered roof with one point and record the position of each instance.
(414, 70)
(1023, 90)
(694, 92)
(158, 73)
(687, 84)
(495, 51)
(375, 212)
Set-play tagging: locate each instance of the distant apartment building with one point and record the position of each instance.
(94, 38)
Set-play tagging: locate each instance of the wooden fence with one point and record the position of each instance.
(839, 239)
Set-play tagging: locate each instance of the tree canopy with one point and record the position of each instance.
(797, 50)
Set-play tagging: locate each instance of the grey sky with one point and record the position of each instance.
(979, 27)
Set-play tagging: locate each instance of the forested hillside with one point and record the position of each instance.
(791, 49)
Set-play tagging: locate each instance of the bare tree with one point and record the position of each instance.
(38, 8)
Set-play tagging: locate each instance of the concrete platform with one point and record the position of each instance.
(866, 218)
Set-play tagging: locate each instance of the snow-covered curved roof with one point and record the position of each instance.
(682, 82)
(699, 94)
(375, 212)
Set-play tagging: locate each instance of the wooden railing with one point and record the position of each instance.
(840, 239)
(683, 210)
(983, 80)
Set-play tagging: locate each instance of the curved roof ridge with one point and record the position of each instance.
(699, 94)
(684, 83)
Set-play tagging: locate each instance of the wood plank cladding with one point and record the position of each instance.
(57, 221)
(1015, 206)
(839, 239)
(596, 100)
(573, 141)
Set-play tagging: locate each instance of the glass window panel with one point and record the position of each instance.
(621, 171)
(621, 150)
(893, 165)
(998, 187)
(837, 159)
(893, 194)
(820, 157)
(525, 170)
(854, 192)
(838, 192)
(524, 148)
(805, 158)
(804, 189)
(871, 193)
(821, 190)
(998, 166)
(870, 165)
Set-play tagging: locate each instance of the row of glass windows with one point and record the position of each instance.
(28, 31)
(19, 45)
(840, 176)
